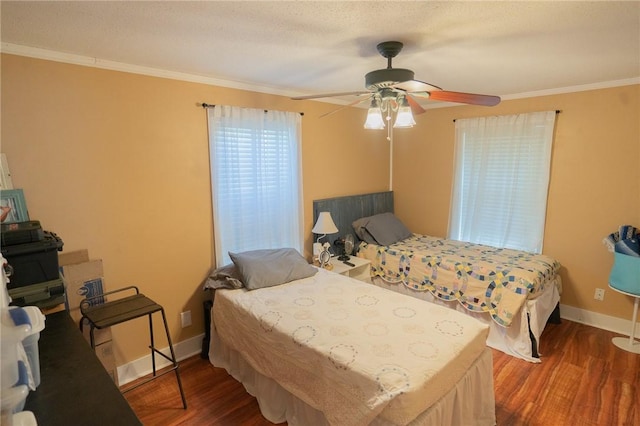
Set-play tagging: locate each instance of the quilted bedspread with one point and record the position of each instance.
(350, 349)
(481, 278)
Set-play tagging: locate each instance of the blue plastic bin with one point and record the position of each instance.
(625, 274)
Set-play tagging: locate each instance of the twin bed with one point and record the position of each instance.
(331, 350)
(512, 291)
(319, 348)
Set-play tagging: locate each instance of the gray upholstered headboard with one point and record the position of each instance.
(345, 210)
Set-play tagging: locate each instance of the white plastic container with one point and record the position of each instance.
(24, 418)
(11, 336)
(30, 342)
(4, 292)
(11, 398)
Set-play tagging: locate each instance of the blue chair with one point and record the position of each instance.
(625, 278)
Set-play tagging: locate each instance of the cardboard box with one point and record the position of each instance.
(71, 257)
(104, 352)
(83, 280)
(100, 336)
(53, 309)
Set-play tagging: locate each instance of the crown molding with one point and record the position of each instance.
(573, 89)
(51, 55)
(69, 58)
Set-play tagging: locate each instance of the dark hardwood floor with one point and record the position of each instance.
(583, 380)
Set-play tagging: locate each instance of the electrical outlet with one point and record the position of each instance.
(599, 295)
(185, 318)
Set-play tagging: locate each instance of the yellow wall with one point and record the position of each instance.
(117, 163)
(594, 186)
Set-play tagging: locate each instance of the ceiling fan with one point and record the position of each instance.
(394, 89)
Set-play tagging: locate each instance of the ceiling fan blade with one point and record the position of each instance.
(416, 86)
(464, 98)
(416, 108)
(329, 95)
(356, 102)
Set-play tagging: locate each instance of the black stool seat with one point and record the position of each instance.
(124, 309)
(121, 310)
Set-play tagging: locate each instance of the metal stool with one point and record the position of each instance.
(125, 309)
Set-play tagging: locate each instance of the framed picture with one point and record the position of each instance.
(13, 207)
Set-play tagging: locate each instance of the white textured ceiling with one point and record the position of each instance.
(301, 47)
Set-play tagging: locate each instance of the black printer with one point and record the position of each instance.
(32, 253)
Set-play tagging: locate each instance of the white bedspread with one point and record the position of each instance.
(350, 349)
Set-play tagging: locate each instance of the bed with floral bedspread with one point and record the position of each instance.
(481, 278)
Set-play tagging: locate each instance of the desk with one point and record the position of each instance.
(75, 388)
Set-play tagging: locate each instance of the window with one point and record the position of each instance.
(256, 179)
(501, 180)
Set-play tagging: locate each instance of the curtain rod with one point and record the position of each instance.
(205, 105)
(558, 111)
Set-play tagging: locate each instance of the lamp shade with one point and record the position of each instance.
(374, 119)
(404, 117)
(374, 116)
(324, 224)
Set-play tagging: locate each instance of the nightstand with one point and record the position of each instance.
(361, 271)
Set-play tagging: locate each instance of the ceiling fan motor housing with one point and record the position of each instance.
(389, 49)
(387, 77)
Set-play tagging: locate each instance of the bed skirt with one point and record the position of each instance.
(514, 340)
(471, 401)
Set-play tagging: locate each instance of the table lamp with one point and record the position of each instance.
(324, 225)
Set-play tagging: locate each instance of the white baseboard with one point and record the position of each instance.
(142, 366)
(605, 322)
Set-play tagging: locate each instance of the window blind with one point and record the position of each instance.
(256, 179)
(501, 180)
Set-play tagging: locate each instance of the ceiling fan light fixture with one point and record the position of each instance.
(393, 91)
(404, 116)
(374, 117)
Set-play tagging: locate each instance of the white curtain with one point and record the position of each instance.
(501, 180)
(256, 179)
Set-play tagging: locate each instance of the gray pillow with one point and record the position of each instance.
(224, 277)
(359, 227)
(387, 229)
(269, 267)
